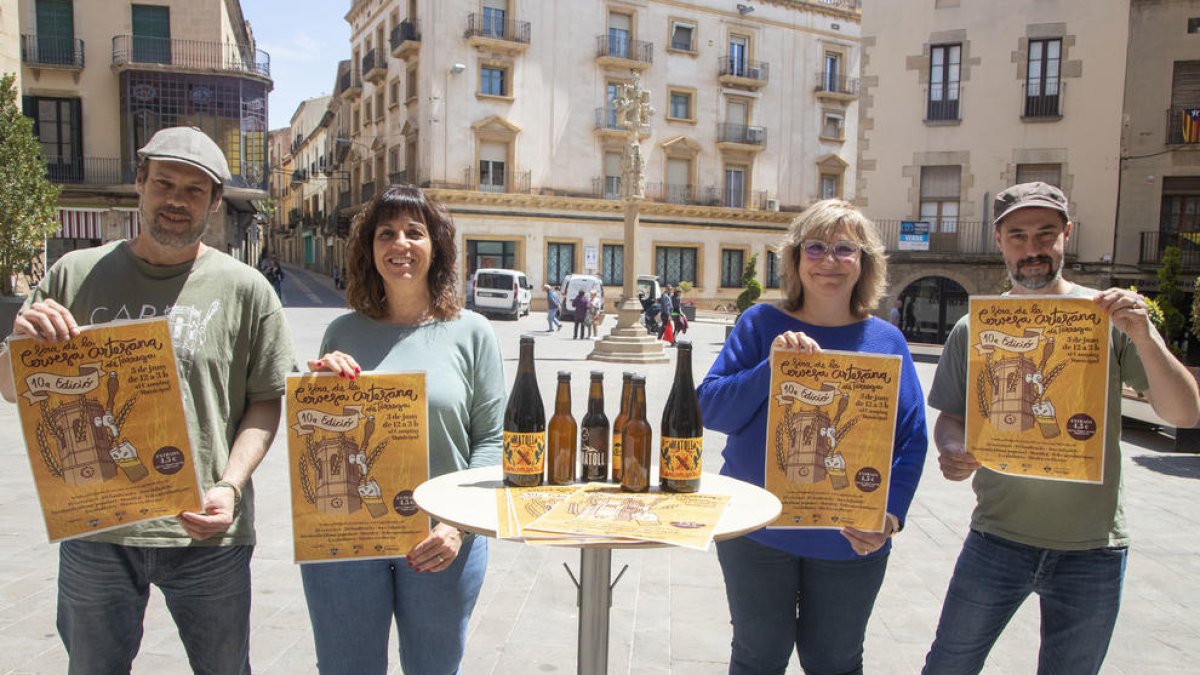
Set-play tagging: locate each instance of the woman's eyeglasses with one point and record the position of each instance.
(844, 250)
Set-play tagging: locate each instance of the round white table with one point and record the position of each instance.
(467, 500)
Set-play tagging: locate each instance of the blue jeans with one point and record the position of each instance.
(351, 605)
(102, 594)
(777, 600)
(1079, 593)
(552, 320)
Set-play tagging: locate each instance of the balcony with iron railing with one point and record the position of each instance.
(1183, 126)
(299, 176)
(621, 52)
(732, 198)
(350, 85)
(405, 39)
(1038, 104)
(836, 87)
(606, 187)
(52, 52)
(132, 51)
(514, 182)
(952, 238)
(90, 171)
(668, 193)
(607, 123)
(742, 72)
(740, 136)
(499, 34)
(374, 66)
(1153, 244)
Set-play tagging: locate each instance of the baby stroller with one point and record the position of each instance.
(650, 313)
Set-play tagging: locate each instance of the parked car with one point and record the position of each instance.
(572, 284)
(648, 284)
(496, 291)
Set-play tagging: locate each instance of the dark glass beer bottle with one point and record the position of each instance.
(525, 425)
(636, 439)
(560, 437)
(593, 433)
(682, 434)
(618, 426)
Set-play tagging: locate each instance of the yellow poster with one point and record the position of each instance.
(1037, 386)
(686, 520)
(831, 421)
(516, 508)
(356, 451)
(104, 425)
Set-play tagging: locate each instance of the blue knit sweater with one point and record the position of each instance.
(733, 398)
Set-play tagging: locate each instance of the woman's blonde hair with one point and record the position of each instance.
(820, 221)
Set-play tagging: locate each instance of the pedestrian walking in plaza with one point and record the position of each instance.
(553, 307)
(810, 590)
(232, 366)
(579, 306)
(665, 307)
(678, 320)
(595, 313)
(894, 312)
(1065, 541)
(401, 285)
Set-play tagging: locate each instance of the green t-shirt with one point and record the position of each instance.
(232, 346)
(464, 383)
(1044, 513)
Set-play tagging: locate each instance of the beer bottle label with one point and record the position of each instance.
(617, 442)
(679, 458)
(524, 453)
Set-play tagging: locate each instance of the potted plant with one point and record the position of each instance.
(686, 307)
(28, 201)
(751, 289)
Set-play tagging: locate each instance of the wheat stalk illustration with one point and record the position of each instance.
(45, 427)
(305, 483)
(841, 433)
(374, 456)
(125, 410)
(1054, 372)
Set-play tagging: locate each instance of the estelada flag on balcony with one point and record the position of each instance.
(1191, 125)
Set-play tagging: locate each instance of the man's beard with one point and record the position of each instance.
(1035, 282)
(175, 239)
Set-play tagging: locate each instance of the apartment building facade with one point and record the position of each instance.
(510, 121)
(100, 78)
(961, 98)
(1160, 142)
(10, 40)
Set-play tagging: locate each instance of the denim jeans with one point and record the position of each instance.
(777, 600)
(552, 321)
(102, 594)
(351, 605)
(1079, 594)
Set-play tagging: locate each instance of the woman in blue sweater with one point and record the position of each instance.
(810, 588)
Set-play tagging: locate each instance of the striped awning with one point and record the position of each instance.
(79, 224)
(131, 223)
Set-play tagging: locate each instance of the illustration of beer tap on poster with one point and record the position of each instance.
(356, 451)
(830, 426)
(104, 426)
(1037, 394)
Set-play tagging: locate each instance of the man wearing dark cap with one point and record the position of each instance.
(1065, 541)
(232, 350)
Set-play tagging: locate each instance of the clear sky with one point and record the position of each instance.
(306, 39)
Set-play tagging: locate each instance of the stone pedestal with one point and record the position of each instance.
(629, 342)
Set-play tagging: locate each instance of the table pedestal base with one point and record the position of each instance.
(594, 601)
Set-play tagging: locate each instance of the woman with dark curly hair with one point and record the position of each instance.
(400, 274)
(810, 590)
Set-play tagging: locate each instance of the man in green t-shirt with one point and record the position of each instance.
(233, 351)
(1064, 541)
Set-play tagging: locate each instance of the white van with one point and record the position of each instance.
(572, 284)
(495, 291)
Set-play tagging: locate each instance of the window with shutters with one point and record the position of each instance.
(940, 191)
(620, 34)
(494, 14)
(680, 106)
(772, 270)
(151, 33)
(55, 32)
(1042, 83)
(1180, 212)
(1183, 120)
(1050, 174)
(683, 36)
(944, 64)
(735, 187)
(674, 264)
(58, 126)
(493, 80)
(612, 264)
(679, 189)
(612, 175)
(732, 263)
(560, 261)
(493, 158)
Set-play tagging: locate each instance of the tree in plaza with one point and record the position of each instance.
(28, 200)
(750, 283)
(1170, 298)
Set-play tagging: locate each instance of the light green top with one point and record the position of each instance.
(232, 346)
(464, 379)
(1044, 513)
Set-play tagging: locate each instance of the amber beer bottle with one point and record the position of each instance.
(618, 425)
(682, 432)
(525, 425)
(636, 439)
(593, 434)
(561, 436)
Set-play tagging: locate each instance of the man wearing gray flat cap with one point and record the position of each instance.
(1065, 541)
(232, 351)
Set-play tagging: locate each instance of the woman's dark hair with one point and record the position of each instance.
(365, 291)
